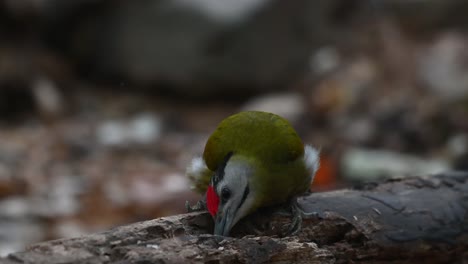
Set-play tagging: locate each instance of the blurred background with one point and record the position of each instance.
(104, 102)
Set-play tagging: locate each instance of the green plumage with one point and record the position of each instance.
(267, 142)
(265, 136)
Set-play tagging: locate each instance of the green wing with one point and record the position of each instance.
(266, 136)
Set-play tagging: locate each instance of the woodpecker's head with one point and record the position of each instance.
(229, 196)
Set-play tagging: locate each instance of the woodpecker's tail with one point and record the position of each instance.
(199, 174)
(312, 160)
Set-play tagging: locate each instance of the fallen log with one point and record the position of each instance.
(406, 220)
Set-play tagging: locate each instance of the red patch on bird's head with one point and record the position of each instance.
(212, 200)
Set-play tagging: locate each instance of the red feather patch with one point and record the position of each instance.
(212, 201)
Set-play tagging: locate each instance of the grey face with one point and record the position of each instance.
(234, 194)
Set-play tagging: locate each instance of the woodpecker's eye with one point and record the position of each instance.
(225, 194)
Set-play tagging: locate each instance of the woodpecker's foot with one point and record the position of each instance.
(199, 206)
(297, 215)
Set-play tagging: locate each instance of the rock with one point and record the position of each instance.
(443, 67)
(324, 60)
(370, 165)
(142, 129)
(199, 48)
(17, 233)
(59, 197)
(47, 97)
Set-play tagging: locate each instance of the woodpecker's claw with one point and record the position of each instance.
(199, 206)
(297, 215)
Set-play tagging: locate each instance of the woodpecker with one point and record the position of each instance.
(253, 159)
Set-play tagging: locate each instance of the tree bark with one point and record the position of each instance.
(407, 220)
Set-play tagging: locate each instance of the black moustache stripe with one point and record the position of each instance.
(244, 196)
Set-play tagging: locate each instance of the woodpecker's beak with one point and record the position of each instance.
(223, 223)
